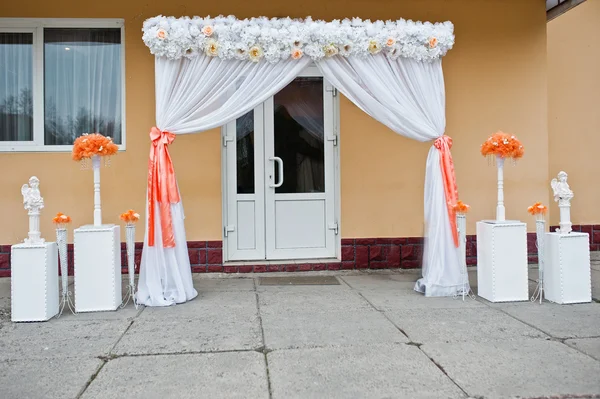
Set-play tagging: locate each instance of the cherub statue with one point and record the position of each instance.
(561, 188)
(32, 199)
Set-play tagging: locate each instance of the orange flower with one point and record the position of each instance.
(537, 209)
(390, 42)
(161, 34)
(503, 145)
(296, 53)
(130, 217)
(433, 41)
(88, 145)
(61, 220)
(461, 207)
(208, 30)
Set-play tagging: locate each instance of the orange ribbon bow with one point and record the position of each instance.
(443, 144)
(162, 186)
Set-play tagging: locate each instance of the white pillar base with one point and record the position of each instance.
(502, 261)
(567, 270)
(34, 282)
(97, 268)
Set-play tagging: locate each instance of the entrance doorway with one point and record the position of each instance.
(281, 176)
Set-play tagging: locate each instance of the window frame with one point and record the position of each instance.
(36, 26)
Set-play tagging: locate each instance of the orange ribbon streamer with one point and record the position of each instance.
(443, 144)
(162, 186)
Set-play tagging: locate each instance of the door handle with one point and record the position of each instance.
(279, 163)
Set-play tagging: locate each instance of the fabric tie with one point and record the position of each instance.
(162, 186)
(443, 144)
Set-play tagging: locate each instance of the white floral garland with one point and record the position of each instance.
(281, 38)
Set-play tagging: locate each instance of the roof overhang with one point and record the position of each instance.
(554, 8)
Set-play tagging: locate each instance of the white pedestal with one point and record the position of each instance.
(567, 274)
(502, 261)
(34, 281)
(97, 268)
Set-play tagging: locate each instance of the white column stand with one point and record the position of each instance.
(461, 224)
(97, 205)
(35, 237)
(65, 296)
(130, 243)
(540, 231)
(500, 211)
(565, 216)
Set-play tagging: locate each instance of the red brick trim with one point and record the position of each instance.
(359, 253)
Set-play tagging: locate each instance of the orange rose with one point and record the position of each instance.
(161, 34)
(433, 42)
(390, 42)
(296, 53)
(208, 30)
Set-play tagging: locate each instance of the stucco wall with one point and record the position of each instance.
(574, 106)
(495, 79)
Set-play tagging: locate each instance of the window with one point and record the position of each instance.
(60, 78)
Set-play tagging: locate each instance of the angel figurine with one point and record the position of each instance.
(33, 202)
(563, 195)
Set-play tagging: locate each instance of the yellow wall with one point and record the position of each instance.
(495, 80)
(574, 106)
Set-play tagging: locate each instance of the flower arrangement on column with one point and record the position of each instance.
(461, 210)
(499, 147)
(61, 221)
(91, 147)
(130, 218)
(539, 211)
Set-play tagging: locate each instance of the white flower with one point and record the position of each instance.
(374, 47)
(64, 217)
(137, 215)
(330, 50)
(255, 54)
(101, 148)
(211, 48)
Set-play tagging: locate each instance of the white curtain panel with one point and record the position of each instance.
(194, 95)
(408, 96)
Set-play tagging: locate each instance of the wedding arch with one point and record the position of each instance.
(211, 71)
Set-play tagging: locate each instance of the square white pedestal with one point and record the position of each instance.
(34, 281)
(502, 261)
(567, 270)
(97, 268)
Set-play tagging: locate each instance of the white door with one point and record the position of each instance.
(280, 176)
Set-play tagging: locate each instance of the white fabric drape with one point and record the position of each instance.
(194, 95)
(408, 97)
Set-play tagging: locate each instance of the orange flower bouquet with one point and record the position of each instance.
(130, 218)
(538, 210)
(61, 220)
(93, 146)
(461, 208)
(500, 146)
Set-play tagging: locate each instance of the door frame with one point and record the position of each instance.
(310, 70)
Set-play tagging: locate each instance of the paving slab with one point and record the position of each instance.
(5, 287)
(375, 371)
(589, 346)
(201, 283)
(461, 325)
(319, 329)
(206, 301)
(55, 338)
(215, 375)
(378, 282)
(216, 329)
(508, 369)
(311, 299)
(560, 321)
(45, 378)
(596, 284)
(408, 299)
(128, 313)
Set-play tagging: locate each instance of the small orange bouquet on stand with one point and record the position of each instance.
(130, 218)
(61, 221)
(461, 210)
(94, 146)
(499, 147)
(539, 210)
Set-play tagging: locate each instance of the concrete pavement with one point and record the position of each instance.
(371, 336)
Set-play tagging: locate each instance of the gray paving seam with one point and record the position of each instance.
(120, 338)
(265, 351)
(91, 379)
(557, 339)
(418, 345)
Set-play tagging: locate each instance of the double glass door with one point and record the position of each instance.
(279, 176)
